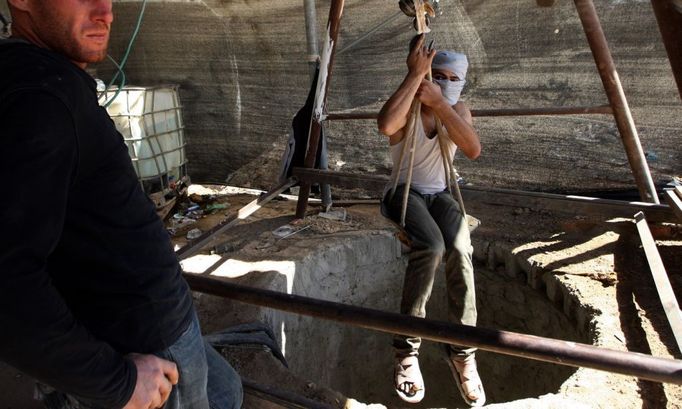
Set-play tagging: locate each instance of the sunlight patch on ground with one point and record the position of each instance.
(232, 268)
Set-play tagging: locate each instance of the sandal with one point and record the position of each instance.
(409, 384)
(467, 380)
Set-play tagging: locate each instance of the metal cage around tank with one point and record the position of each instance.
(150, 120)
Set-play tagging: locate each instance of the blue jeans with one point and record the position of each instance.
(207, 381)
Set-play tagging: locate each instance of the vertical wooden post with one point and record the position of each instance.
(326, 65)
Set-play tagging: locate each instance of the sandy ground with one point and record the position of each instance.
(602, 260)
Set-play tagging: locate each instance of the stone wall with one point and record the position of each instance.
(363, 270)
(511, 305)
(367, 270)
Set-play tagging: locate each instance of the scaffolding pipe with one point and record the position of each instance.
(599, 109)
(614, 92)
(669, 17)
(327, 63)
(503, 342)
(311, 35)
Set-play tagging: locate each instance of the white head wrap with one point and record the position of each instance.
(458, 64)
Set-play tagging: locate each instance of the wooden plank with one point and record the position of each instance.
(678, 190)
(568, 204)
(195, 245)
(665, 290)
(323, 81)
(342, 179)
(675, 202)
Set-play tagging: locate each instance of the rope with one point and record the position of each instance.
(410, 138)
(120, 66)
(450, 171)
(421, 10)
(408, 182)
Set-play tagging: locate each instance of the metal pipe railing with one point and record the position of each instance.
(599, 109)
(504, 342)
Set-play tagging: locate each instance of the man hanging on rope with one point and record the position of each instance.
(433, 218)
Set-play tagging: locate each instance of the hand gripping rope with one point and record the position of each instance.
(420, 10)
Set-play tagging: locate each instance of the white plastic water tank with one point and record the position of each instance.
(150, 121)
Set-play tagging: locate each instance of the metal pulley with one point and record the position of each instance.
(421, 10)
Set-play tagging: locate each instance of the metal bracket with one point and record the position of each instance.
(421, 10)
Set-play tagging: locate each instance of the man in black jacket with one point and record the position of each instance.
(92, 300)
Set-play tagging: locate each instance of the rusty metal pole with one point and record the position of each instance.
(669, 17)
(326, 65)
(601, 109)
(614, 92)
(503, 342)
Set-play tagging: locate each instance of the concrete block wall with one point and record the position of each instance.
(363, 270)
(511, 305)
(367, 270)
(578, 319)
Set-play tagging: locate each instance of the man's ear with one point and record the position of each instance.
(19, 4)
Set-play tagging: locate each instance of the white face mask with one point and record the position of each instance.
(451, 89)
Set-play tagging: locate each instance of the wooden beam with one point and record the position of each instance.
(674, 199)
(323, 81)
(665, 290)
(197, 244)
(342, 179)
(572, 204)
(577, 205)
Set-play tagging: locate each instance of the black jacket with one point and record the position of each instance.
(87, 271)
